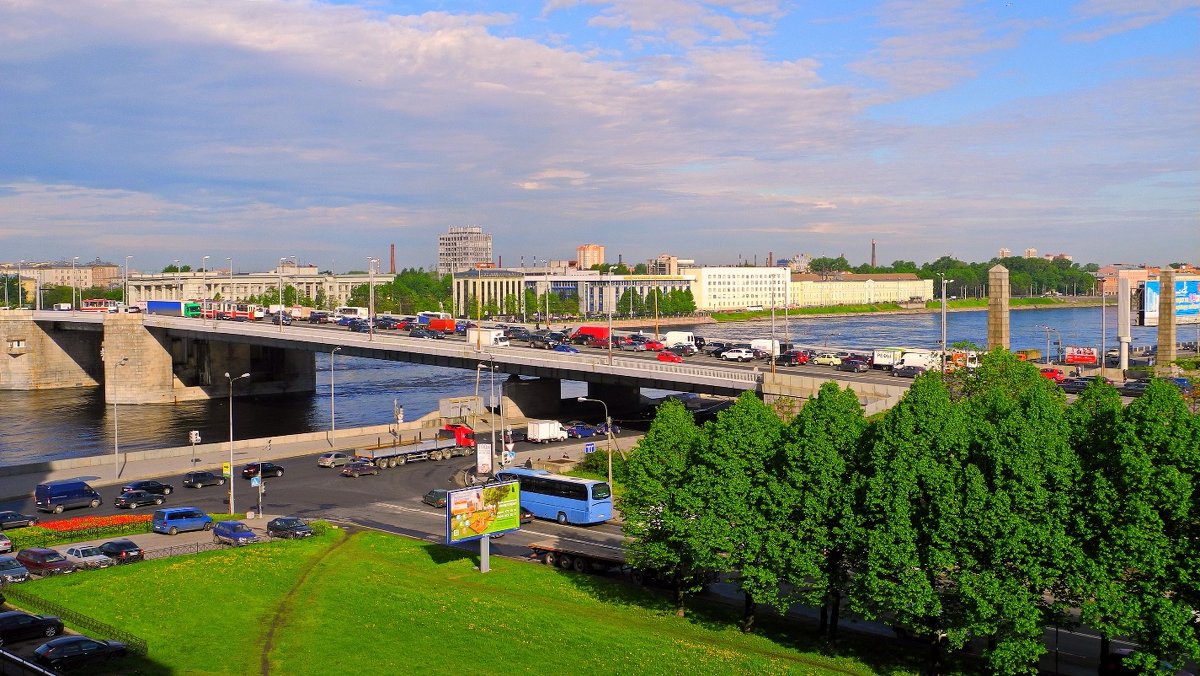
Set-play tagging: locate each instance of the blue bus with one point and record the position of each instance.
(566, 499)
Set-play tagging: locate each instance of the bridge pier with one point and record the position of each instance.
(540, 398)
(40, 358)
(786, 394)
(621, 399)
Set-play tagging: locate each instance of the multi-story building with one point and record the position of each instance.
(738, 288)
(1031, 253)
(587, 255)
(1005, 252)
(308, 281)
(463, 248)
(598, 294)
(844, 288)
(81, 275)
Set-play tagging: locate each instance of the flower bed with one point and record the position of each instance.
(91, 522)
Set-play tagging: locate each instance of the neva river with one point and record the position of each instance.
(70, 423)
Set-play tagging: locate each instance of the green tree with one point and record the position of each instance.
(823, 265)
(814, 522)
(659, 511)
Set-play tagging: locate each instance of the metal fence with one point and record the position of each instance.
(178, 550)
(94, 628)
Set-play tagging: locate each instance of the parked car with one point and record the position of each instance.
(288, 527)
(909, 371)
(42, 561)
(135, 499)
(16, 625)
(266, 469)
(12, 571)
(579, 430)
(739, 354)
(564, 347)
(148, 485)
(602, 428)
(16, 520)
(6, 544)
(827, 359)
(201, 479)
(88, 556)
(791, 358)
(69, 652)
(55, 496)
(670, 357)
(333, 459)
(233, 533)
(435, 498)
(359, 468)
(1134, 388)
(853, 366)
(174, 520)
(1054, 374)
(123, 551)
(683, 349)
(525, 516)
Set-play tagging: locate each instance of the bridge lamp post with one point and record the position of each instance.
(74, 282)
(371, 262)
(944, 283)
(207, 295)
(232, 380)
(178, 285)
(126, 294)
(607, 434)
(20, 289)
(229, 260)
(117, 424)
(332, 419)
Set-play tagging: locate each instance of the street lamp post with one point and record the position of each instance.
(231, 381)
(607, 434)
(332, 419)
(232, 297)
(117, 424)
(20, 288)
(178, 285)
(944, 283)
(371, 262)
(74, 282)
(279, 316)
(207, 295)
(126, 293)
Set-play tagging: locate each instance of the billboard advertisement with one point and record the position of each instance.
(1082, 355)
(474, 512)
(1187, 302)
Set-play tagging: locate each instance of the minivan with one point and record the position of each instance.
(172, 520)
(55, 496)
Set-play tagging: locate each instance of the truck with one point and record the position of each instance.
(768, 345)
(486, 338)
(583, 557)
(450, 441)
(587, 334)
(930, 360)
(542, 431)
(173, 308)
(887, 358)
(671, 338)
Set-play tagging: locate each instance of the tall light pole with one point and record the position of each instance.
(232, 296)
(117, 424)
(332, 419)
(231, 381)
(178, 285)
(607, 434)
(20, 288)
(944, 283)
(74, 282)
(126, 294)
(207, 295)
(371, 262)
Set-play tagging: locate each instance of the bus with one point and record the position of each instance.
(100, 305)
(566, 499)
(350, 311)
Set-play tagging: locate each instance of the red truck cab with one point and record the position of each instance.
(463, 435)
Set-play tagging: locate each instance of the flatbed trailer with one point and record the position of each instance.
(458, 440)
(583, 557)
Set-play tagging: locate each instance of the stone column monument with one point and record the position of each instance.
(1166, 321)
(998, 333)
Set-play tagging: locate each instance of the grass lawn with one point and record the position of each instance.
(373, 603)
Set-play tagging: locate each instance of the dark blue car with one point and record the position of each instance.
(578, 430)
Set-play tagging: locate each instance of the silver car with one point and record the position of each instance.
(333, 459)
(88, 556)
(11, 570)
(5, 544)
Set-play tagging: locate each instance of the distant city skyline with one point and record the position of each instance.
(717, 131)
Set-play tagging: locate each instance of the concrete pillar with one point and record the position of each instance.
(47, 355)
(621, 399)
(540, 398)
(1166, 322)
(998, 332)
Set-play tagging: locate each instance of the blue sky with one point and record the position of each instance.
(718, 130)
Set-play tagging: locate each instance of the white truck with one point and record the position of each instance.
(542, 431)
(768, 345)
(887, 358)
(930, 360)
(675, 337)
(486, 338)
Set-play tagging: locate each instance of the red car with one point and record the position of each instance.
(654, 345)
(1054, 374)
(670, 357)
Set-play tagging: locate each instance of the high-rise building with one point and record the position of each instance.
(1005, 252)
(1031, 253)
(463, 248)
(587, 255)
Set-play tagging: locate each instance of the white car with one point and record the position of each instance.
(5, 544)
(333, 459)
(88, 556)
(738, 354)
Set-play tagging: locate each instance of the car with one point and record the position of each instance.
(738, 354)
(148, 485)
(579, 430)
(135, 499)
(16, 520)
(288, 527)
(546, 340)
(11, 570)
(201, 479)
(318, 318)
(791, 358)
(1134, 388)
(909, 371)
(16, 625)
(333, 459)
(1054, 374)
(173, 520)
(42, 561)
(513, 333)
(6, 544)
(418, 332)
(435, 498)
(69, 652)
(283, 319)
(827, 359)
(253, 469)
(233, 533)
(88, 556)
(524, 515)
(604, 343)
(1184, 385)
(386, 323)
(853, 366)
(603, 428)
(654, 345)
(123, 551)
(1073, 385)
(633, 345)
(683, 349)
(670, 357)
(564, 347)
(359, 468)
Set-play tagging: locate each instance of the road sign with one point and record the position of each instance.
(225, 469)
(589, 447)
(194, 437)
(255, 481)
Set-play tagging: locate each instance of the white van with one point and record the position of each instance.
(676, 337)
(63, 307)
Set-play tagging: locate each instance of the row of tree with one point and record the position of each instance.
(1027, 276)
(977, 507)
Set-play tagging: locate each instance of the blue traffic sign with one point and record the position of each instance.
(255, 481)
(589, 447)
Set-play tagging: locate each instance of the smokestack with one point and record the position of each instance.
(500, 262)
(392, 259)
(872, 253)
(770, 259)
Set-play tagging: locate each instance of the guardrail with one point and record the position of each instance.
(95, 628)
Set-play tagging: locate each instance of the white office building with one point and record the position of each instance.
(463, 248)
(729, 289)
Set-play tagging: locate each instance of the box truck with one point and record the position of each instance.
(542, 431)
(486, 338)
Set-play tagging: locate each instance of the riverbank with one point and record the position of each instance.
(932, 307)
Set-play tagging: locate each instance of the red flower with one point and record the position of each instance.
(89, 522)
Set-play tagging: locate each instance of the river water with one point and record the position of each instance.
(55, 424)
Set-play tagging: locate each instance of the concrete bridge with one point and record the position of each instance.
(148, 359)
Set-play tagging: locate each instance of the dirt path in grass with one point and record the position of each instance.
(284, 609)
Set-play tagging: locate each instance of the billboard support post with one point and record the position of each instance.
(485, 554)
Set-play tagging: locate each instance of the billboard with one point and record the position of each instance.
(1082, 355)
(474, 512)
(1187, 302)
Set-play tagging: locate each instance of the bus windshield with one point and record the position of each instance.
(601, 491)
